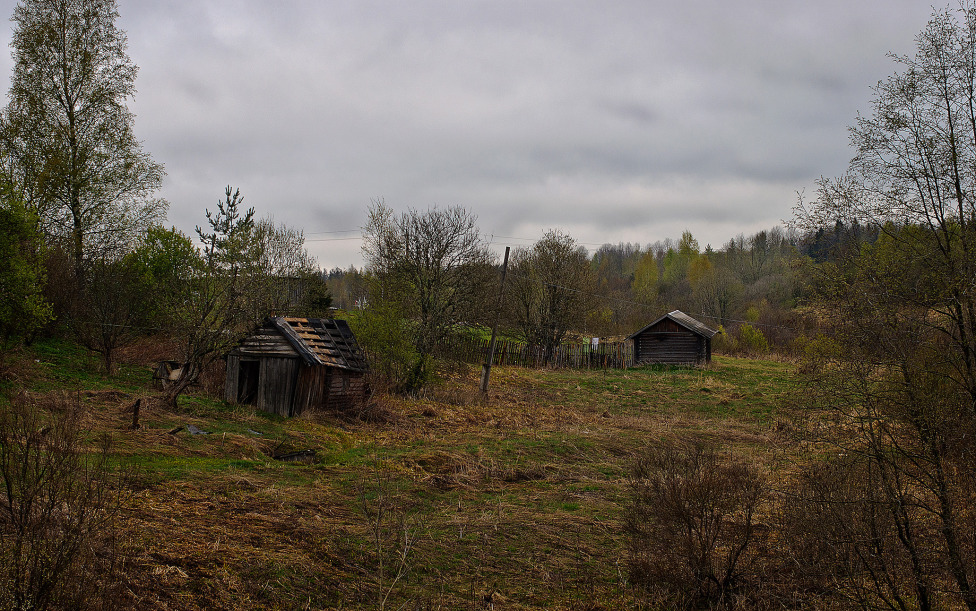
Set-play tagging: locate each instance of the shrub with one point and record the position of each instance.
(752, 314)
(752, 340)
(394, 362)
(57, 512)
(691, 525)
(23, 309)
(724, 342)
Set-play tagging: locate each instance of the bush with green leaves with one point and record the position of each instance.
(386, 338)
(23, 308)
(751, 340)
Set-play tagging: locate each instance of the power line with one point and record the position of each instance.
(491, 237)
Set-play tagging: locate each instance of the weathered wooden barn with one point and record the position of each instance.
(674, 339)
(290, 365)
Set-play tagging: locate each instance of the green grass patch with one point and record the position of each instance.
(61, 365)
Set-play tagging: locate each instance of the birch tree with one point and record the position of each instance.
(67, 133)
(897, 377)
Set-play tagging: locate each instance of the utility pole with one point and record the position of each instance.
(486, 368)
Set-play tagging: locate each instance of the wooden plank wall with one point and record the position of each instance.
(276, 388)
(312, 389)
(669, 347)
(266, 341)
(346, 389)
(230, 378)
(328, 388)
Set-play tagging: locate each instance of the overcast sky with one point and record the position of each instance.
(611, 120)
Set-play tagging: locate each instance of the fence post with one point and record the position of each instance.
(486, 368)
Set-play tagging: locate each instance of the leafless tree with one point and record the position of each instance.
(551, 290)
(112, 308)
(288, 282)
(434, 262)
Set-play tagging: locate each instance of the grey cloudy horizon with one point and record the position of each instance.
(617, 121)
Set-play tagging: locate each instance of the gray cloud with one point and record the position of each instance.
(617, 121)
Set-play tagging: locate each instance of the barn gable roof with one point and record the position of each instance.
(685, 321)
(322, 341)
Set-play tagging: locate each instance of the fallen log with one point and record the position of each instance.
(294, 456)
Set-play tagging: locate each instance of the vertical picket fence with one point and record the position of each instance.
(609, 355)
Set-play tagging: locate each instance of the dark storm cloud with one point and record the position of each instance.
(617, 121)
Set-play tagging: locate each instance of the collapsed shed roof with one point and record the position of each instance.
(322, 341)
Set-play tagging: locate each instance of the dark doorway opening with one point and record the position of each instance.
(247, 382)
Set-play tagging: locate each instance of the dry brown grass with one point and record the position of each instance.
(518, 496)
(147, 351)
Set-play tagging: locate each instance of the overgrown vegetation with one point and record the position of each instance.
(550, 291)
(736, 485)
(896, 376)
(519, 499)
(432, 267)
(23, 309)
(693, 526)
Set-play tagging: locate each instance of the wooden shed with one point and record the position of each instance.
(674, 339)
(289, 365)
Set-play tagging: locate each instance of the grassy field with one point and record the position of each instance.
(452, 501)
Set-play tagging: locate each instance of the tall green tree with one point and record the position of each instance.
(67, 133)
(210, 311)
(675, 274)
(644, 285)
(166, 260)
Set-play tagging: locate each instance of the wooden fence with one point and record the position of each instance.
(609, 355)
